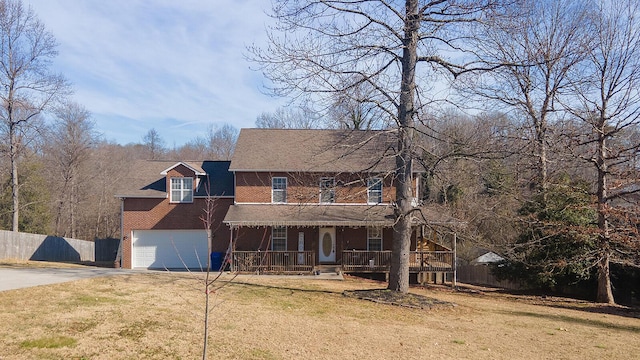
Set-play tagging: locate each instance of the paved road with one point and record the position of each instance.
(11, 278)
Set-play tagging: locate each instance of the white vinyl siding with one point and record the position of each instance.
(279, 238)
(181, 190)
(279, 190)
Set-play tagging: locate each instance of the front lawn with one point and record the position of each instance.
(155, 315)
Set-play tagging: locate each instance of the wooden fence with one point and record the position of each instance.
(24, 246)
(481, 275)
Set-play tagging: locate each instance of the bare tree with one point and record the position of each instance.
(354, 109)
(195, 149)
(154, 144)
(541, 42)
(289, 118)
(72, 139)
(321, 47)
(104, 173)
(221, 141)
(608, 102)
(27, 86)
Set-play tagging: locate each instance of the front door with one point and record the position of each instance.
(327, 245)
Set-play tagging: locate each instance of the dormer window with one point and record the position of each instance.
(181, 190)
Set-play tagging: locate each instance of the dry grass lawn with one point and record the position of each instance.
(154, 315)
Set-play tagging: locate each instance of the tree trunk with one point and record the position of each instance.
(541, 149)
(605, 294)
(13, 155)
(399, 271)
(72, 206)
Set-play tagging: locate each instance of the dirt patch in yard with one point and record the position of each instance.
(385, 296)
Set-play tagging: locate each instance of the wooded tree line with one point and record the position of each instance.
(69, 174)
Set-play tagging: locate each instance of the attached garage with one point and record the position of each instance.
(170, 249)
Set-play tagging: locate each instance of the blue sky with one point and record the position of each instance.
(176, 66)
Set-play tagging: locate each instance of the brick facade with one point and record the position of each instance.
(159, 214)
(255, 187)
(347, 238)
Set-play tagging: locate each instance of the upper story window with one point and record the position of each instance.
(374, 239)
(327, 190)
(279, 190)
(181, 190)
(279, 238)
(374, 190)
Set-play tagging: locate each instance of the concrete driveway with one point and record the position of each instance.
(11, 278)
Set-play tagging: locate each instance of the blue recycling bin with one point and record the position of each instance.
(216, 261)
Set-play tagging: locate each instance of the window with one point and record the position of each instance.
(181, 190)
(327, 190)
(374, 239)
(279, 238)
(279, 190)
(374, 190)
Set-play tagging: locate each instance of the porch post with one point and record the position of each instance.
(231, 248)
(455, 261)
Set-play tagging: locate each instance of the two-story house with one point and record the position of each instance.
(162, 211)
(305, 198)
(290, 201)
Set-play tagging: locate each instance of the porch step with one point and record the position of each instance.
(327, 269)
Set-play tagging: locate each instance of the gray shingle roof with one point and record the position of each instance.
(143, 178)
(315, 150)
(308, 215)
(254, 215)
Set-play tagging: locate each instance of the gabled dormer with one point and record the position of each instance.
(183, 181)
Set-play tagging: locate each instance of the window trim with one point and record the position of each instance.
(182, 190)
(370, 183)
(273, 238)
(274, 190)
(370, 237)
(330, 189)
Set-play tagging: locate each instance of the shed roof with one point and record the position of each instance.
(317, 150)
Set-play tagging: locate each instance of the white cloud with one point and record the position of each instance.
(173, 65)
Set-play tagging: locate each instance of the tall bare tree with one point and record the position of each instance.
(353, 109)
(321, 47)
(541, 42)
(72, 139)
(28, 87)
(222, 142)
(608, 102)
(154, 144)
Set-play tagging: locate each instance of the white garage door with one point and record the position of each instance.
(170, 249)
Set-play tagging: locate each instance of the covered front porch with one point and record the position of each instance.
(352, 261)
(341, 238)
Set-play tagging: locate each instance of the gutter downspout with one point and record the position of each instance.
(118, 260)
